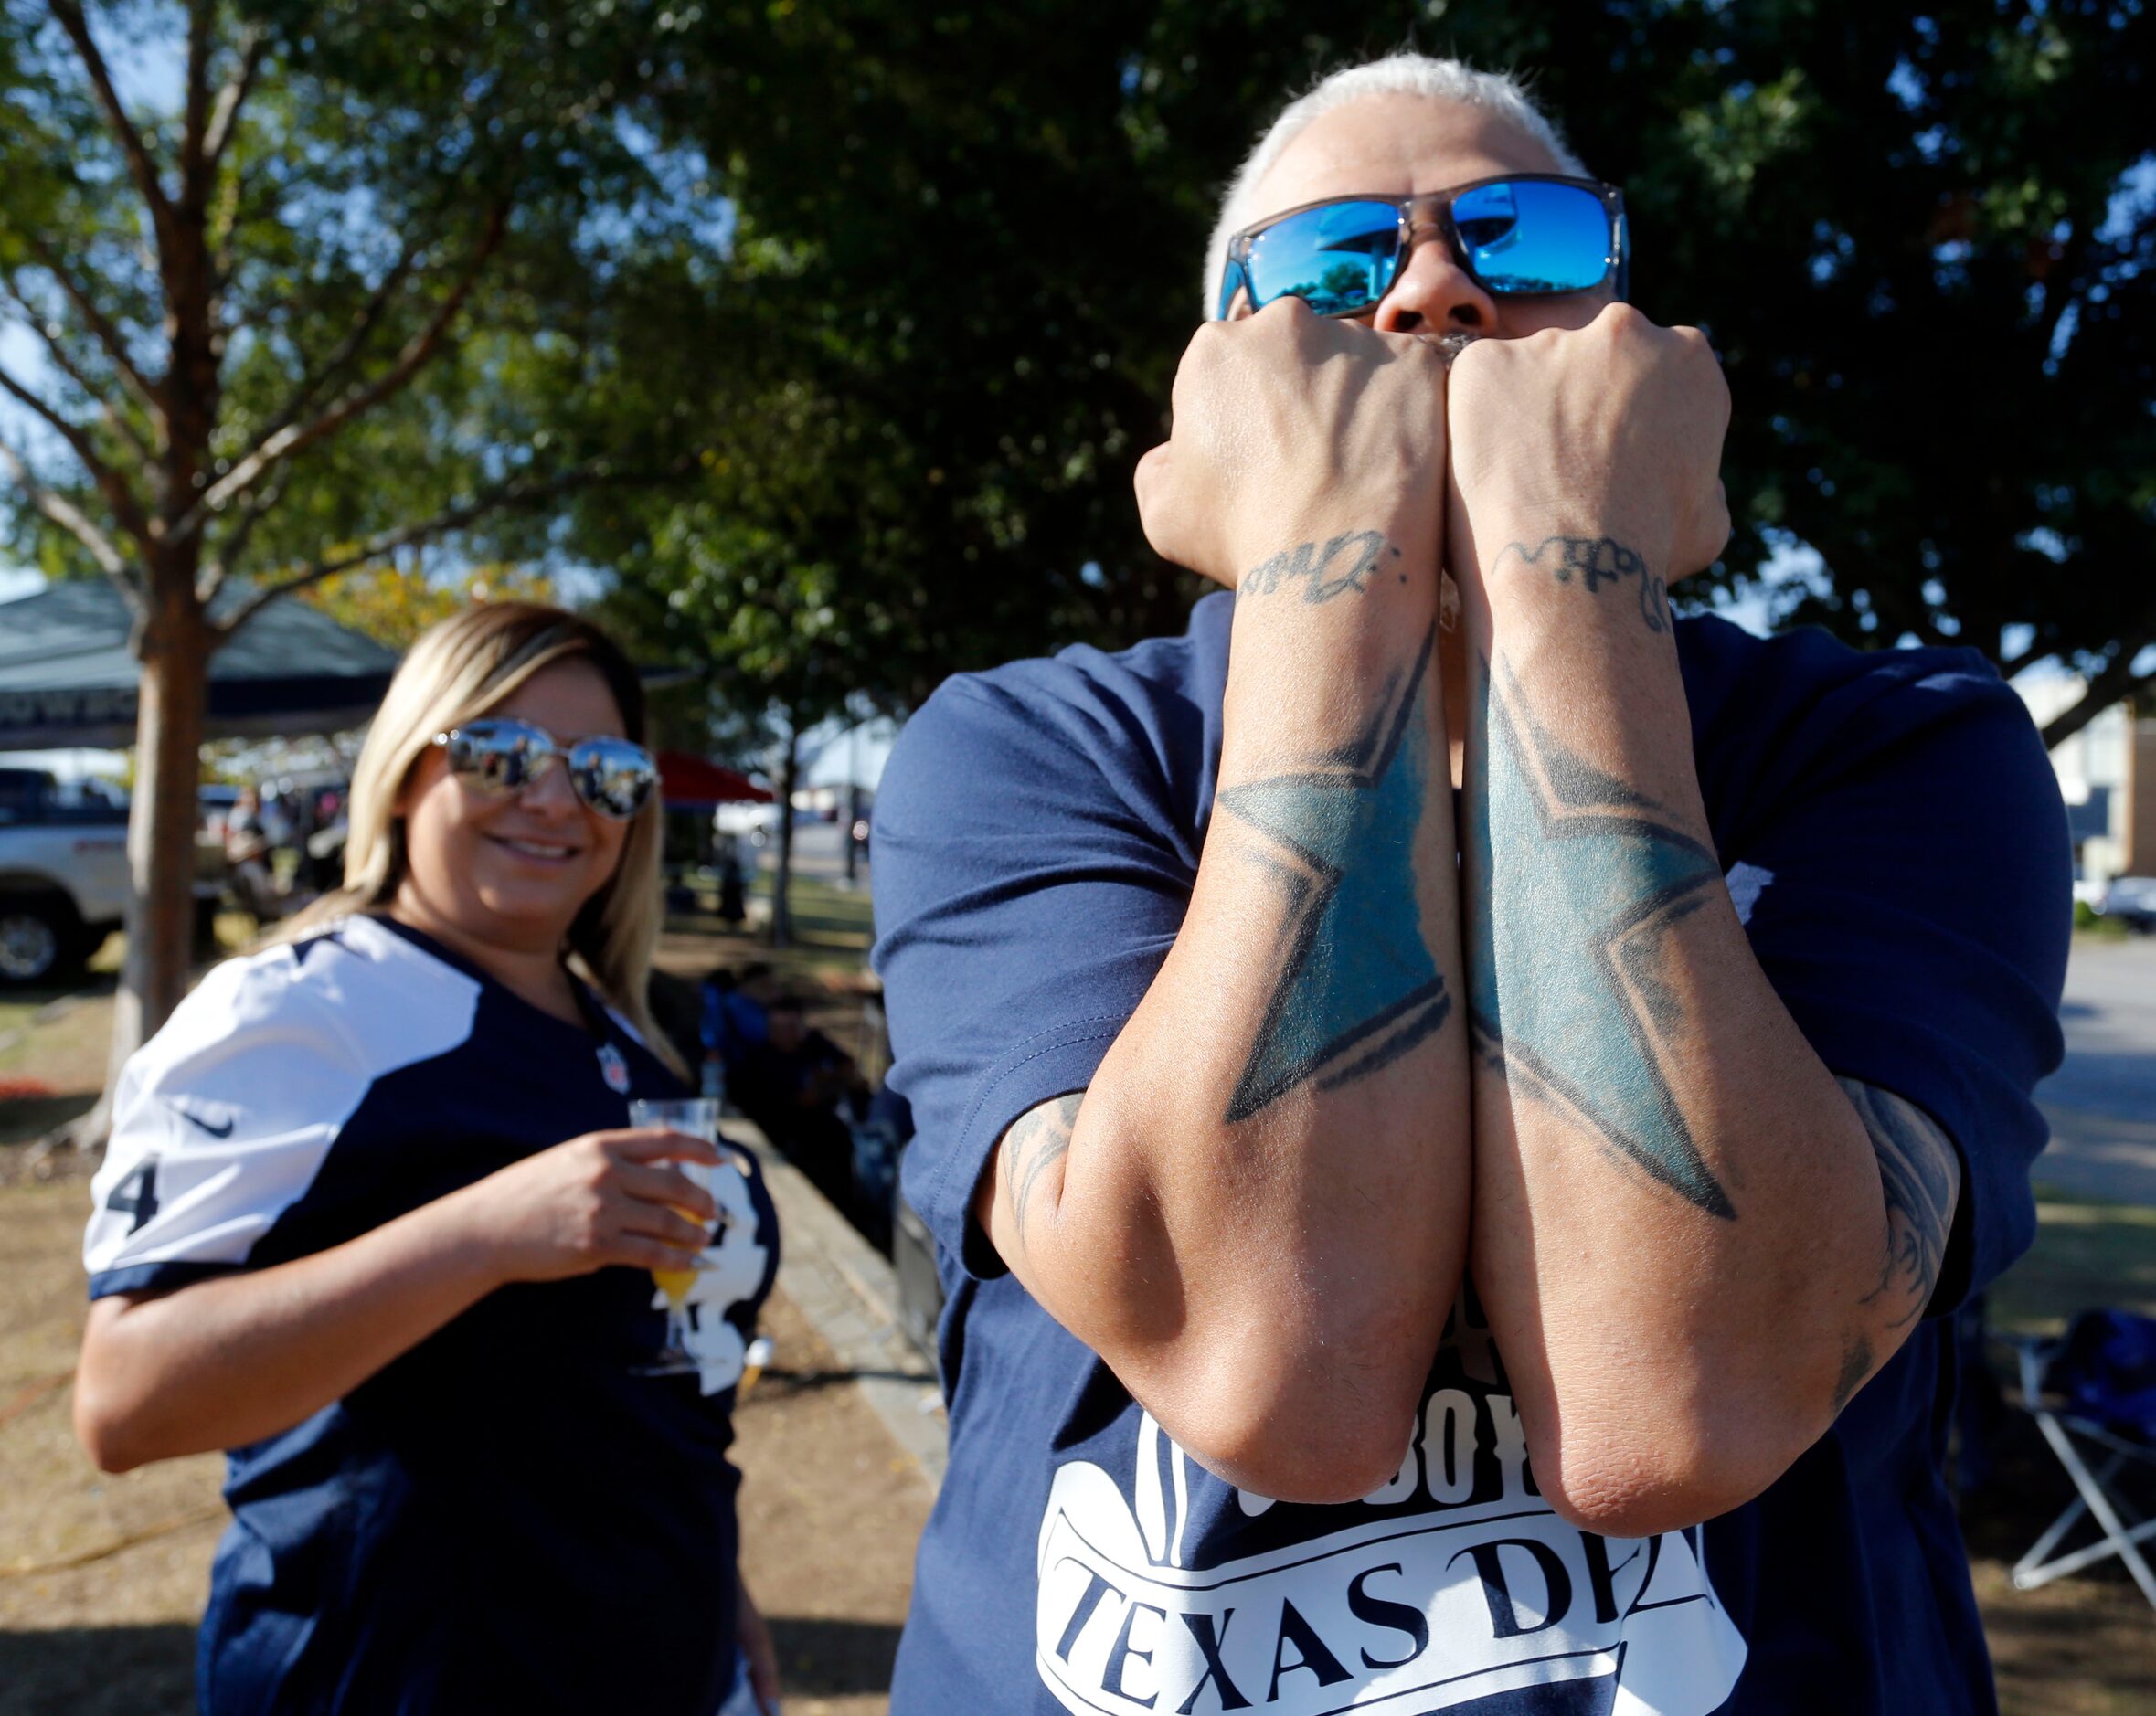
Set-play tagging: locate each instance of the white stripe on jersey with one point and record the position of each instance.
(223, 1119)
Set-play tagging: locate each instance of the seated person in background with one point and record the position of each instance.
(248, 851)
(789, 1084)
(733, 1017)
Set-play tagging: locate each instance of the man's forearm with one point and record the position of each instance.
(1278, 1139)
(1677, 1213)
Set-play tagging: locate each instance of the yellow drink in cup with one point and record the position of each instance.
(697, 1117)
(675, 1283)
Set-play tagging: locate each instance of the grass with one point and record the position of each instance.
(2088, 1252)
(833, 927)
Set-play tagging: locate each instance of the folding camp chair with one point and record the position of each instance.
(2093, 1394)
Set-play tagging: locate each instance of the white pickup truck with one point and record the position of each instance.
(63, 877)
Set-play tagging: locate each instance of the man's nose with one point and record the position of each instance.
(1434, 294)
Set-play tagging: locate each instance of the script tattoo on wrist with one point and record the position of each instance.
(1036, 1140)
(1599, 560)
(1338, 566)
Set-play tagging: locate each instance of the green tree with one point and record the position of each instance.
(1919, 238)
(310, 288)
(393, 601)
(776, 640)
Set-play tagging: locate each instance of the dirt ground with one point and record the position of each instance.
(102, 1578)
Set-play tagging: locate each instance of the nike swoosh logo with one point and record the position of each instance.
(195, 1120)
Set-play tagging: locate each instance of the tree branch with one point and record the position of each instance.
(292, 440)
(2012, 665)
(506, 497)
(195, 106)
(254, 509)
(363, 325)
(101, 326)
(110, 483)
(2115, 681)
(224, 118)
(56, 354)
(140, 167)
(71, 518)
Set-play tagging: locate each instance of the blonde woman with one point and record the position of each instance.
(374, 1221)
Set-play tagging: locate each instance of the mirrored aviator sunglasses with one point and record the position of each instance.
(497, 757)
(1523, 236)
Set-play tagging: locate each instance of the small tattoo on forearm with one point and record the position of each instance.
(1599, 560)
(1920, 1177)
(1337, 567)
(1036, 1140)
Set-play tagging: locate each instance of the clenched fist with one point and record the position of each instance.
(1613, 429)
(1291, 426)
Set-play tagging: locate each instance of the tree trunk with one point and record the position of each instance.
(175, 648)
(782, 875)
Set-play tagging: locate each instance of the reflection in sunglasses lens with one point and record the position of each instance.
(1486, 219)
(1531, 236)
(612, 777)
(1336, 259)
(1517, 236)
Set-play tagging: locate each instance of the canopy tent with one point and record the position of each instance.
(67, 677)
(692, 783)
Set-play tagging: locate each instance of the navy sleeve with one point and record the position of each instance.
(1907, 880)
(1033, 867)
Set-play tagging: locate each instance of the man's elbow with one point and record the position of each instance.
(1293, 1431)
(1659, 1475)
(1316, 1459)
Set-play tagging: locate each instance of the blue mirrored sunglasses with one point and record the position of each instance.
(1526, 235)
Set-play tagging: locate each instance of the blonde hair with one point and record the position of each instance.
(1402, 73)
(455, 673)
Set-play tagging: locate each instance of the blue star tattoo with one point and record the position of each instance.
(1358, 987)
(1579, 881)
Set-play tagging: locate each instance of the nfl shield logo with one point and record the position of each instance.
(614, 1068)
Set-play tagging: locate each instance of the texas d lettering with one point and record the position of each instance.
(1452, 1588)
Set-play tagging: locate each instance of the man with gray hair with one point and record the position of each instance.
(1453, 1103)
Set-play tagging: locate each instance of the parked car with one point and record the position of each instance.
(2132, 901)
(63, 874)
(214, 803)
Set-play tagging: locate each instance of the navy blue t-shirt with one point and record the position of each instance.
(1893, 839)
(507, 1517)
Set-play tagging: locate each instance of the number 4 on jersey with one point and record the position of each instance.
(137, 1195)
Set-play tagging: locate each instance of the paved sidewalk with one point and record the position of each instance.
(848, 1291)
(2102, 1102)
